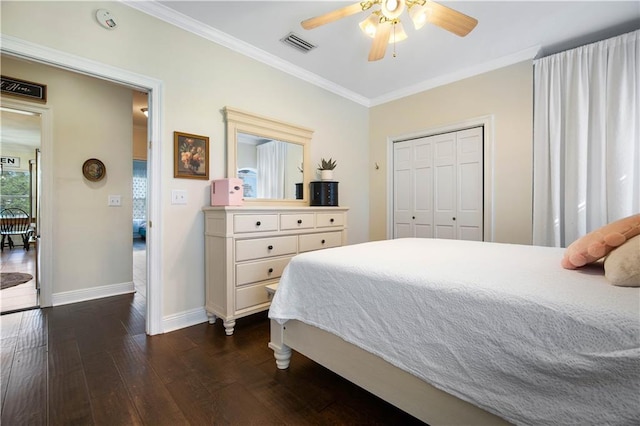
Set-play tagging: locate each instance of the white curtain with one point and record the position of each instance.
(586, 142)
(271, 159)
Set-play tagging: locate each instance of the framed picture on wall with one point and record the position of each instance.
(190, 156)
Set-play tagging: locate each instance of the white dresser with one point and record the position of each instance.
(247, 248)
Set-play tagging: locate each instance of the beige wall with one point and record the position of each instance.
(199, 78)
(507, 95)
(92, 120)
(139, 142)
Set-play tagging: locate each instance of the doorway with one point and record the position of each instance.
(81, 65)
(486, 123)
(19, 189)
(438, 186)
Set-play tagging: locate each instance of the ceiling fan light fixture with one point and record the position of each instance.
(370, 25)
(391, 9)
(397, 33)
(418, 14)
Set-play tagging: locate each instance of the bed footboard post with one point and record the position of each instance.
(281, 352)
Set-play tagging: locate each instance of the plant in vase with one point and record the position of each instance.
(326, 169)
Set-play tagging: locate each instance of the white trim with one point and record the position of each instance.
(92, 293)
(487, 121)
(186, 23)
(184, 319)
(524, 55)
(23, 49)
(45, 232)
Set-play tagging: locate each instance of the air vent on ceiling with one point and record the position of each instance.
(296, 41)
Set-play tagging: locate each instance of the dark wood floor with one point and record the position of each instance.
(91, 363)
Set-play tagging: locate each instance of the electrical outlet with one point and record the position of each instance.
(178, 196)
(114, 201)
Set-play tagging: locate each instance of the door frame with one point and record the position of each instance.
(46, 190)
(15, 47)
(485, 121)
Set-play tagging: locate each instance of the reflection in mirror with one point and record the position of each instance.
(269, 168)
(269, 156)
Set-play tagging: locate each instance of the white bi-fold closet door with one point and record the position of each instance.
(438, 186)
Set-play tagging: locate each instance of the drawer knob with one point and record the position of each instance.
(270, 247)
(258, 223)
(299, 221)
(270, 270)
(322, 241)
(331, 220)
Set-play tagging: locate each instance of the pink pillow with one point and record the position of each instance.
(597, 244)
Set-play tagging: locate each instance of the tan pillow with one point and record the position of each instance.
(622, 265)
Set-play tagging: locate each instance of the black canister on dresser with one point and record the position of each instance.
(324, 193)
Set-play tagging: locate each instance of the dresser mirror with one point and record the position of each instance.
(270, 156)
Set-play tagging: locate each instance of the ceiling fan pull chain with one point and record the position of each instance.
(394, 39)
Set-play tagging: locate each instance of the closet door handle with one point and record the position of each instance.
(413, 217)
(258, 223)
(270, 247)
(454, 218)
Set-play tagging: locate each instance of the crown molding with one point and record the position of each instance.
(186, 23)
(523, 55)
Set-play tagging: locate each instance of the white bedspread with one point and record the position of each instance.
(502, 326)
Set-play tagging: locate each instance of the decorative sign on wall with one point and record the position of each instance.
(10, 162)
(23, 89)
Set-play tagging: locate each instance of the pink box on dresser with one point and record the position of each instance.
(226, 192)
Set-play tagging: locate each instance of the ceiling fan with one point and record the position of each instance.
(384, 24)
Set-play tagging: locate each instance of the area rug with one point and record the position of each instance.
(10, 279)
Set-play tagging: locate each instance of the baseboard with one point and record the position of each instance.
(184, 319)
(74, 296)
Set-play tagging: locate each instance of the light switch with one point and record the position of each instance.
(178, 196)
(115, 200)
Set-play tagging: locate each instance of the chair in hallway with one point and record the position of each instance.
(14, 221)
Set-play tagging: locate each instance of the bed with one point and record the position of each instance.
(462, 332)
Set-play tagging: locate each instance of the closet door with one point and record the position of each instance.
(444, 188)
(438, 186)
(413, 196)
(470, 184)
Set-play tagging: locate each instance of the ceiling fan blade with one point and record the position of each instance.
(449, 19)
(311, 23)
(380, 42)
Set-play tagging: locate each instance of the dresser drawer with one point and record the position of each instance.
(254, 223)
(252, 272)
(322, 240)
(297, 221)
(265, 247)
(329, 219)
(252, 296)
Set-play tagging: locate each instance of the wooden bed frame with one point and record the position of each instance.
(390, 383)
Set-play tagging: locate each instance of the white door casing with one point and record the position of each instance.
(16, 47)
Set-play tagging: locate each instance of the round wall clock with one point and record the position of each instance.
(94, 169)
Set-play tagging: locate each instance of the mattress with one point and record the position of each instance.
(502, 326)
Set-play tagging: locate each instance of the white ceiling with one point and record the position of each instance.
(507, 32)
